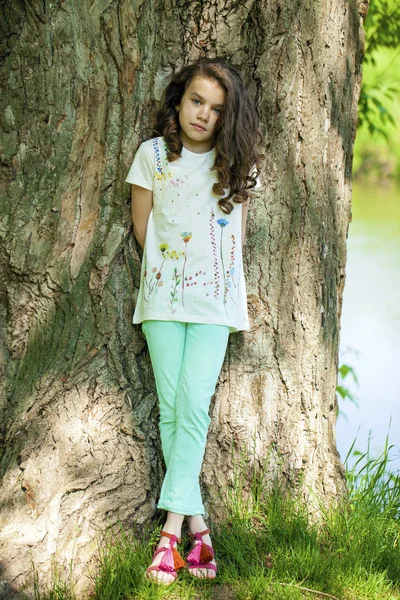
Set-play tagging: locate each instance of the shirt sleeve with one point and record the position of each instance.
(142, 169)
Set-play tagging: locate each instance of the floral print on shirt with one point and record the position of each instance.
(174, 272)
(155, 278)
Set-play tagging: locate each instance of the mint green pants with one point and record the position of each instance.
(186, 359)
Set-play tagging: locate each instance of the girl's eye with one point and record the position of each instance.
(217, 109)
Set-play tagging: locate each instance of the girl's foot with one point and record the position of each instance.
(196, 524)
(162, 576)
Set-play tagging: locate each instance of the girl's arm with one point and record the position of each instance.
(245, 209)
(142, 203)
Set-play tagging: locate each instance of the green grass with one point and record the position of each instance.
(267, 548)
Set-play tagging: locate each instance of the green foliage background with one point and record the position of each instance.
(377, 146)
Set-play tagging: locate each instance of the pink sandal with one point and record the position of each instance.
(201, 554)
(170, 562)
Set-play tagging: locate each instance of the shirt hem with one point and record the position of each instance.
(189, 319)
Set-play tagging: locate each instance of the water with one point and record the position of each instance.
(370, 324)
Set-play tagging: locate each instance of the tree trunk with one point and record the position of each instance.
(80, 447)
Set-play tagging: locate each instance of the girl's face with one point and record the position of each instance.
(201, 104)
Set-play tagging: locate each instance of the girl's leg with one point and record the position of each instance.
(166, 344)
(204, 354)
(204, 347)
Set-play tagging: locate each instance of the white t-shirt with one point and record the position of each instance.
(192, 268)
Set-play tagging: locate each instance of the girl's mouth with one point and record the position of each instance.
(198, 127)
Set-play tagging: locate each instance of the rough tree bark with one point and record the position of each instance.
(80, 446)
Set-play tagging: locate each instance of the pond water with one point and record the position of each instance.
(370, 324)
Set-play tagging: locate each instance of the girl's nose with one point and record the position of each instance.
(203, 113)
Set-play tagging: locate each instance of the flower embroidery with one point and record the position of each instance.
(214, 251)
(174, 293)
(152, 285)
(160, 173)
(231, 272)
(175, 254)
(176, 182)
(186, 238)
(223, 223)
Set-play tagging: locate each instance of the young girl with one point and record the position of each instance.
(189, 213)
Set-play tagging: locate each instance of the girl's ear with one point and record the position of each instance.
(177, 108)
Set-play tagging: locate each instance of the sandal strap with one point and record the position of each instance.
(161, 549)
(179, 562)
(174, 538)
(198, 535)
(158, 568)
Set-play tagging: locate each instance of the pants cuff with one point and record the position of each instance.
(181, 510)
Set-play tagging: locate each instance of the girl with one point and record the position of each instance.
(192, 289)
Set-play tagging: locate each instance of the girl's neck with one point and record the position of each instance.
(194, 146)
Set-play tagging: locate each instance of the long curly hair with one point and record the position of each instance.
(236, 134)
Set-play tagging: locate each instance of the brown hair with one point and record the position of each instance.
(236, 131)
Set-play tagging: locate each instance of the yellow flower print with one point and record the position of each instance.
(186, 236)
(161, 176)
(174, 254)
